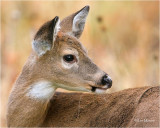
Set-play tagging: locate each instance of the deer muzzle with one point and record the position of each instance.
(106, 82)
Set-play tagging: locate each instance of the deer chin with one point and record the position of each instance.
(99, 90)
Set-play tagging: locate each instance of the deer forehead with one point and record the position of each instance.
(70, 51)
(68, 40)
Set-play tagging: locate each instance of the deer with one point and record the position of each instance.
(133, 107)
(58, 60)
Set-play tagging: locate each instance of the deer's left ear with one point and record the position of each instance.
(45, 37)
(74, 24)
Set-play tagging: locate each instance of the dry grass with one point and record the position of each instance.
(122, 39)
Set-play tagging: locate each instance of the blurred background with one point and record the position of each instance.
(121, 37)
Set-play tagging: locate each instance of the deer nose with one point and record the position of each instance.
(106, 80)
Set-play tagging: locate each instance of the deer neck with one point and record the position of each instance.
(29, 100)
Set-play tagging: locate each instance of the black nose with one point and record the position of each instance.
(106, 81)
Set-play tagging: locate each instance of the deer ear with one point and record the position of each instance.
(74, 24)
(45, 37)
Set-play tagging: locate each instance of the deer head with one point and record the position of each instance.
(61, 58)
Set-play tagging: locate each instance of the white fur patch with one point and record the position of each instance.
(66, 65)
(41, 47)
(100, 91)
(56, 29)
(41, 90)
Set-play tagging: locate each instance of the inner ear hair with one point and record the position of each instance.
(74, 24)
(79, 21)
(45, 37)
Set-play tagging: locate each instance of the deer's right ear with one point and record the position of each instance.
(45, 37)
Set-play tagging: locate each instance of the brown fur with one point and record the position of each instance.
(127, 108)
(30, 112)
(25, 111)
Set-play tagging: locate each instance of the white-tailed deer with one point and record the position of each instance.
(58, 60)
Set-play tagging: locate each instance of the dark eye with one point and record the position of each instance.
(69, 58)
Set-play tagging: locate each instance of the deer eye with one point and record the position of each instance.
(69, 58)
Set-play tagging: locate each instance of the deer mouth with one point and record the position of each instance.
(99, 89)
